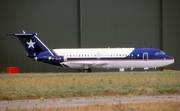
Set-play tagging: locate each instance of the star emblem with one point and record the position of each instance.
(30, 44)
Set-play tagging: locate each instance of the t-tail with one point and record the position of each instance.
(32, 44)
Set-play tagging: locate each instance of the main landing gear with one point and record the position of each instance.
(86, 70)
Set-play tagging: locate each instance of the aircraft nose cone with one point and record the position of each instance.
(173, 60)
(169, 57)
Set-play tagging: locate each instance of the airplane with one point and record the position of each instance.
(88, 58)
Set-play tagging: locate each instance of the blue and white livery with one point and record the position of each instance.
(87, 58)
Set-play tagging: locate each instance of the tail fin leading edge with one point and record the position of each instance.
(32, 44)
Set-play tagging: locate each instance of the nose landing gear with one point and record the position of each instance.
(146, 69)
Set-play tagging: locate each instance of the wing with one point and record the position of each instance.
(83, 64)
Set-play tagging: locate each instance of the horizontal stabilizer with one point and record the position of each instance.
(22, 34)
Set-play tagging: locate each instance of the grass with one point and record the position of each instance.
(158, 106)
(63, 85)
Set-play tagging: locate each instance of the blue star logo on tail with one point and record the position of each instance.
(30, 44)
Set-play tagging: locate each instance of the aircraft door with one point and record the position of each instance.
(145, 56)
(98, 55)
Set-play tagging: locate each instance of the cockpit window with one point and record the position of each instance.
(160, 53)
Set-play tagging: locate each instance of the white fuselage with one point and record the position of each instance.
(108, 58)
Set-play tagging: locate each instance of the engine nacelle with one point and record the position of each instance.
(51, 58)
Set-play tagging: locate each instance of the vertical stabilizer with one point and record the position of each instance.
(32, 44)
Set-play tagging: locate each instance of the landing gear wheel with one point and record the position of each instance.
(146, 70)
(87, 70)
